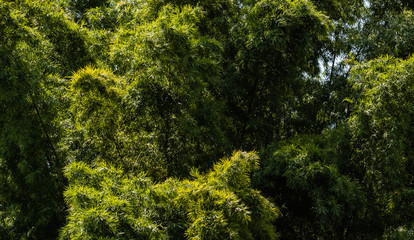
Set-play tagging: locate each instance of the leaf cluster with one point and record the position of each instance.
(105, 203)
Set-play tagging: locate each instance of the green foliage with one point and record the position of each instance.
(96, 96)
(98, 125)
(388, 34)
(273, 44)
(172, 70)
(382, 134)
(340, 10)
(31, 201)
(125, 95)
(356, 181)
(316, 198)
(67, 41)
(401, 233)
(105, 203)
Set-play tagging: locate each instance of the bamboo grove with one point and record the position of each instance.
(213, 119)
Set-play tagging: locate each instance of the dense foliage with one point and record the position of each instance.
(106, 203)
(114, 115)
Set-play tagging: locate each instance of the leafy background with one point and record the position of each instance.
(214, 119)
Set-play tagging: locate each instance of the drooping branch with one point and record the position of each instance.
(42, 125)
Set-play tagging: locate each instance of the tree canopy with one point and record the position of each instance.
(214, 119)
